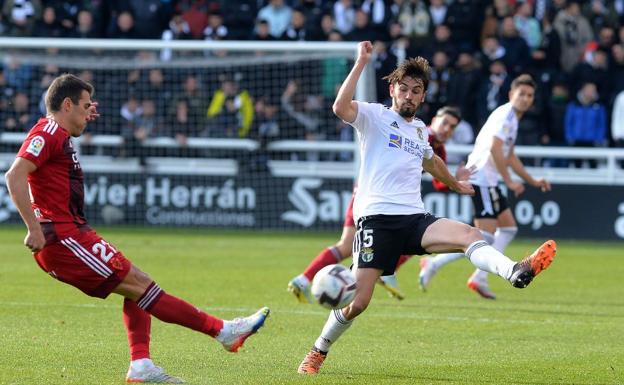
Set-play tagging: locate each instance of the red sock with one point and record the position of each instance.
(327, 257)
(168, 308)
(138, 323)
(402, 260)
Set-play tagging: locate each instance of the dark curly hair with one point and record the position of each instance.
(416, 68)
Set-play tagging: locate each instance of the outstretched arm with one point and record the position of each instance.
(502, 164)
(17, 183)
(344, 107)
(437, 168)
(518, 168)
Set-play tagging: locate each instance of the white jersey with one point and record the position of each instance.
(392, 152)
(503, 124)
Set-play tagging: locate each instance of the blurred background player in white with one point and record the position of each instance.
(46, 184)
(491, 157)
(389, 211)
(441, 129)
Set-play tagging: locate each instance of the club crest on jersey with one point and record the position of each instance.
(420, 136)
(36, 145)
(367, 254)
(396, 141)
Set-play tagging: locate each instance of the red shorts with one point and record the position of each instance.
(349, 222)
(81, 258)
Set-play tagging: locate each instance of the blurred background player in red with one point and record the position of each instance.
(440, 130)
(46, 184)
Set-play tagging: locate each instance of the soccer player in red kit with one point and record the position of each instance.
(68, 249)
(440, 130)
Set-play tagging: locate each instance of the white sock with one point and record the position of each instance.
(334, 327)
(442, 259)
(142, 364)
(487, 258)
(479, 275)
(503, 237)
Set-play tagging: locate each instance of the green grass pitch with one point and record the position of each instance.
(566, 328)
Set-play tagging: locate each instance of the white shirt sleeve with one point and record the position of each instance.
(364, 115)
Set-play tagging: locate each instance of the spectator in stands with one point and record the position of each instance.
(438, 91)
(527, 26)
(195, 13)
(181, 125)
(442, 41)
(266, 129)
(437, 11)
(85, 28)
(179, 29)
(415, 21)
(123, 28)
(278, 15)
(262, 33)
(384, 62)
(546, 57)
(617, 70)
(150, 16)
(296, 30)
(18, 75)
(195, 98)
(361, 31)
(492, 91)
(462, 17)
(586, 121)
(326, 27)
(215, 30)
(308, 117)
(517, 53)
(231, 110)
(554, 119)
(574, 31)
(594, 68)
(156, 88)
(463, 87)
(18, 117)
(491, 50)
(144, 124)
(600, 14)
(606, 38)
(379, 15)
(344, 16)
(48, 26)
(239, 17)
(21, 16)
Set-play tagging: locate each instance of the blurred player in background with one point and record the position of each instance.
(388, 208)
(440, 130)
(492, 156)
(68, 249)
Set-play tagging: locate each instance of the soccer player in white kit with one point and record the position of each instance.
(390, 215)
(491, 157)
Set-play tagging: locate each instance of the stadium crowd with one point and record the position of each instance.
(574, 50)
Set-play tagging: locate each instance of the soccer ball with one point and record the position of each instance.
(334, 286)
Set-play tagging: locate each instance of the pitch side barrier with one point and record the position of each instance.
(298, 195)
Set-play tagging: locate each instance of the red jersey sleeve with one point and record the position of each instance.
(39, 145)
(439, 150)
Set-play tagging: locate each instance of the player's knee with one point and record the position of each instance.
(472, 234)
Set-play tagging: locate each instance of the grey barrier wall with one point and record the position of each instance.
(255, 201)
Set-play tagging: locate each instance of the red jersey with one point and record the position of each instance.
(439, 150)
(57, 186)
